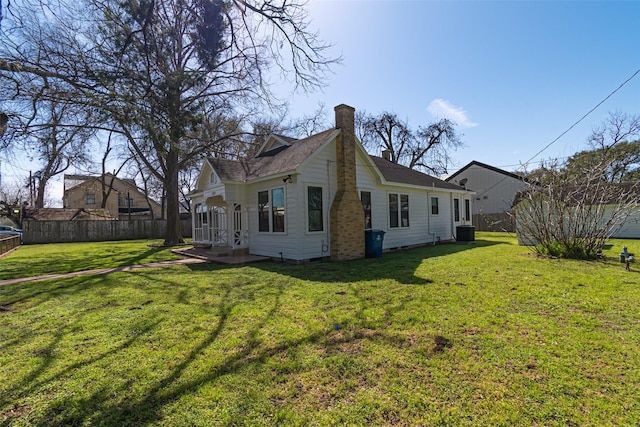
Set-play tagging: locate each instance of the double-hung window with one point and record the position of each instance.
(404, 210)
(398, 210)
(456, 210)
(365, 198)
(271, 210)
(314, 208)
(434, 206)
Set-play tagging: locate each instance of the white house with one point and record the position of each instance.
(495, 190)
(314, 197)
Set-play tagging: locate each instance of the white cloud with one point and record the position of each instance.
(441, 108)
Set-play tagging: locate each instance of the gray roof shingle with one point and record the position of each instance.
(260, 167)
(291, 157)
(394, 172)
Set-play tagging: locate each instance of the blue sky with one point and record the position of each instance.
(514, 74)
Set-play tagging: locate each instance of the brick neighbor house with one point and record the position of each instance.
(124, 201)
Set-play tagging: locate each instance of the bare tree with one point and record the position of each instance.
(54, 132)
(3, 123)
(160, 70)
(431, 148)
(572, 216)
(618, 127)
(386, 132)
(13, 198)
(426, 149)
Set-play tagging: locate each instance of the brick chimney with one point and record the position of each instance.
(386, 154)
(346, 217)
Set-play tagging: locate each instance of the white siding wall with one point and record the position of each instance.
(297, 243)
(270, 243)
(631, 228)
(319, 172)
(423, 227)
(494, 191)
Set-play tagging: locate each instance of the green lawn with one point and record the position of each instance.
(480, 334)
(37, 260)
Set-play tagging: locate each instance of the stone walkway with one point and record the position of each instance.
(192, 256)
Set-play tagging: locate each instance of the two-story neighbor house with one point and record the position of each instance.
(495, 190)
(124, 201)
(314, 197)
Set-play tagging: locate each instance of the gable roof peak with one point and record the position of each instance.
(274, 144)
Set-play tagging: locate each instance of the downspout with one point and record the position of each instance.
(433, 235)
(194, 208)
(451, 218)
(326, 244)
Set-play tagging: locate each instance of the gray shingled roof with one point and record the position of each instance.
(259, 167)
(290, 158)
(488, 167)
(394, 172)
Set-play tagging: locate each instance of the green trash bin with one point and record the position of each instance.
(373, 240)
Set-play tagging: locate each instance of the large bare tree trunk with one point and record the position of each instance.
(174, 232)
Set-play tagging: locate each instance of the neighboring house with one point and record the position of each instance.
(628, 219)
(66, 214)
(495, 192)
(314, 197)
(125, 201)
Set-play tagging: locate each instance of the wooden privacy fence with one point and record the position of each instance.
(494, 222)
(96, 231)
(9, 242)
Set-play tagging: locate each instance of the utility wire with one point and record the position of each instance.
(568, 129)
(585, 116)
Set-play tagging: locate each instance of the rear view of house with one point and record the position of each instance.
(314, 197)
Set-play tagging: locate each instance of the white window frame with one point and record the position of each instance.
(437, 205)
(269, 192)
(399, 211)
(306, 207)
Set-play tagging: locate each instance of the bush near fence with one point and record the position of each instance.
(96, 231)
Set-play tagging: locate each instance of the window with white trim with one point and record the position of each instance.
(456, 210)
(365, 199)
(434, 206)
(271, 210)
(398, 210)
(314, 208)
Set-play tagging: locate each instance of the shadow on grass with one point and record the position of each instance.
(100, 407)
(142, 257)
(399, 265)
(43, 291)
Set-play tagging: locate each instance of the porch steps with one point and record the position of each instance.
(220, 251)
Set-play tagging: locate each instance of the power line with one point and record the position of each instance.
(584, 116)
(569, 128)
